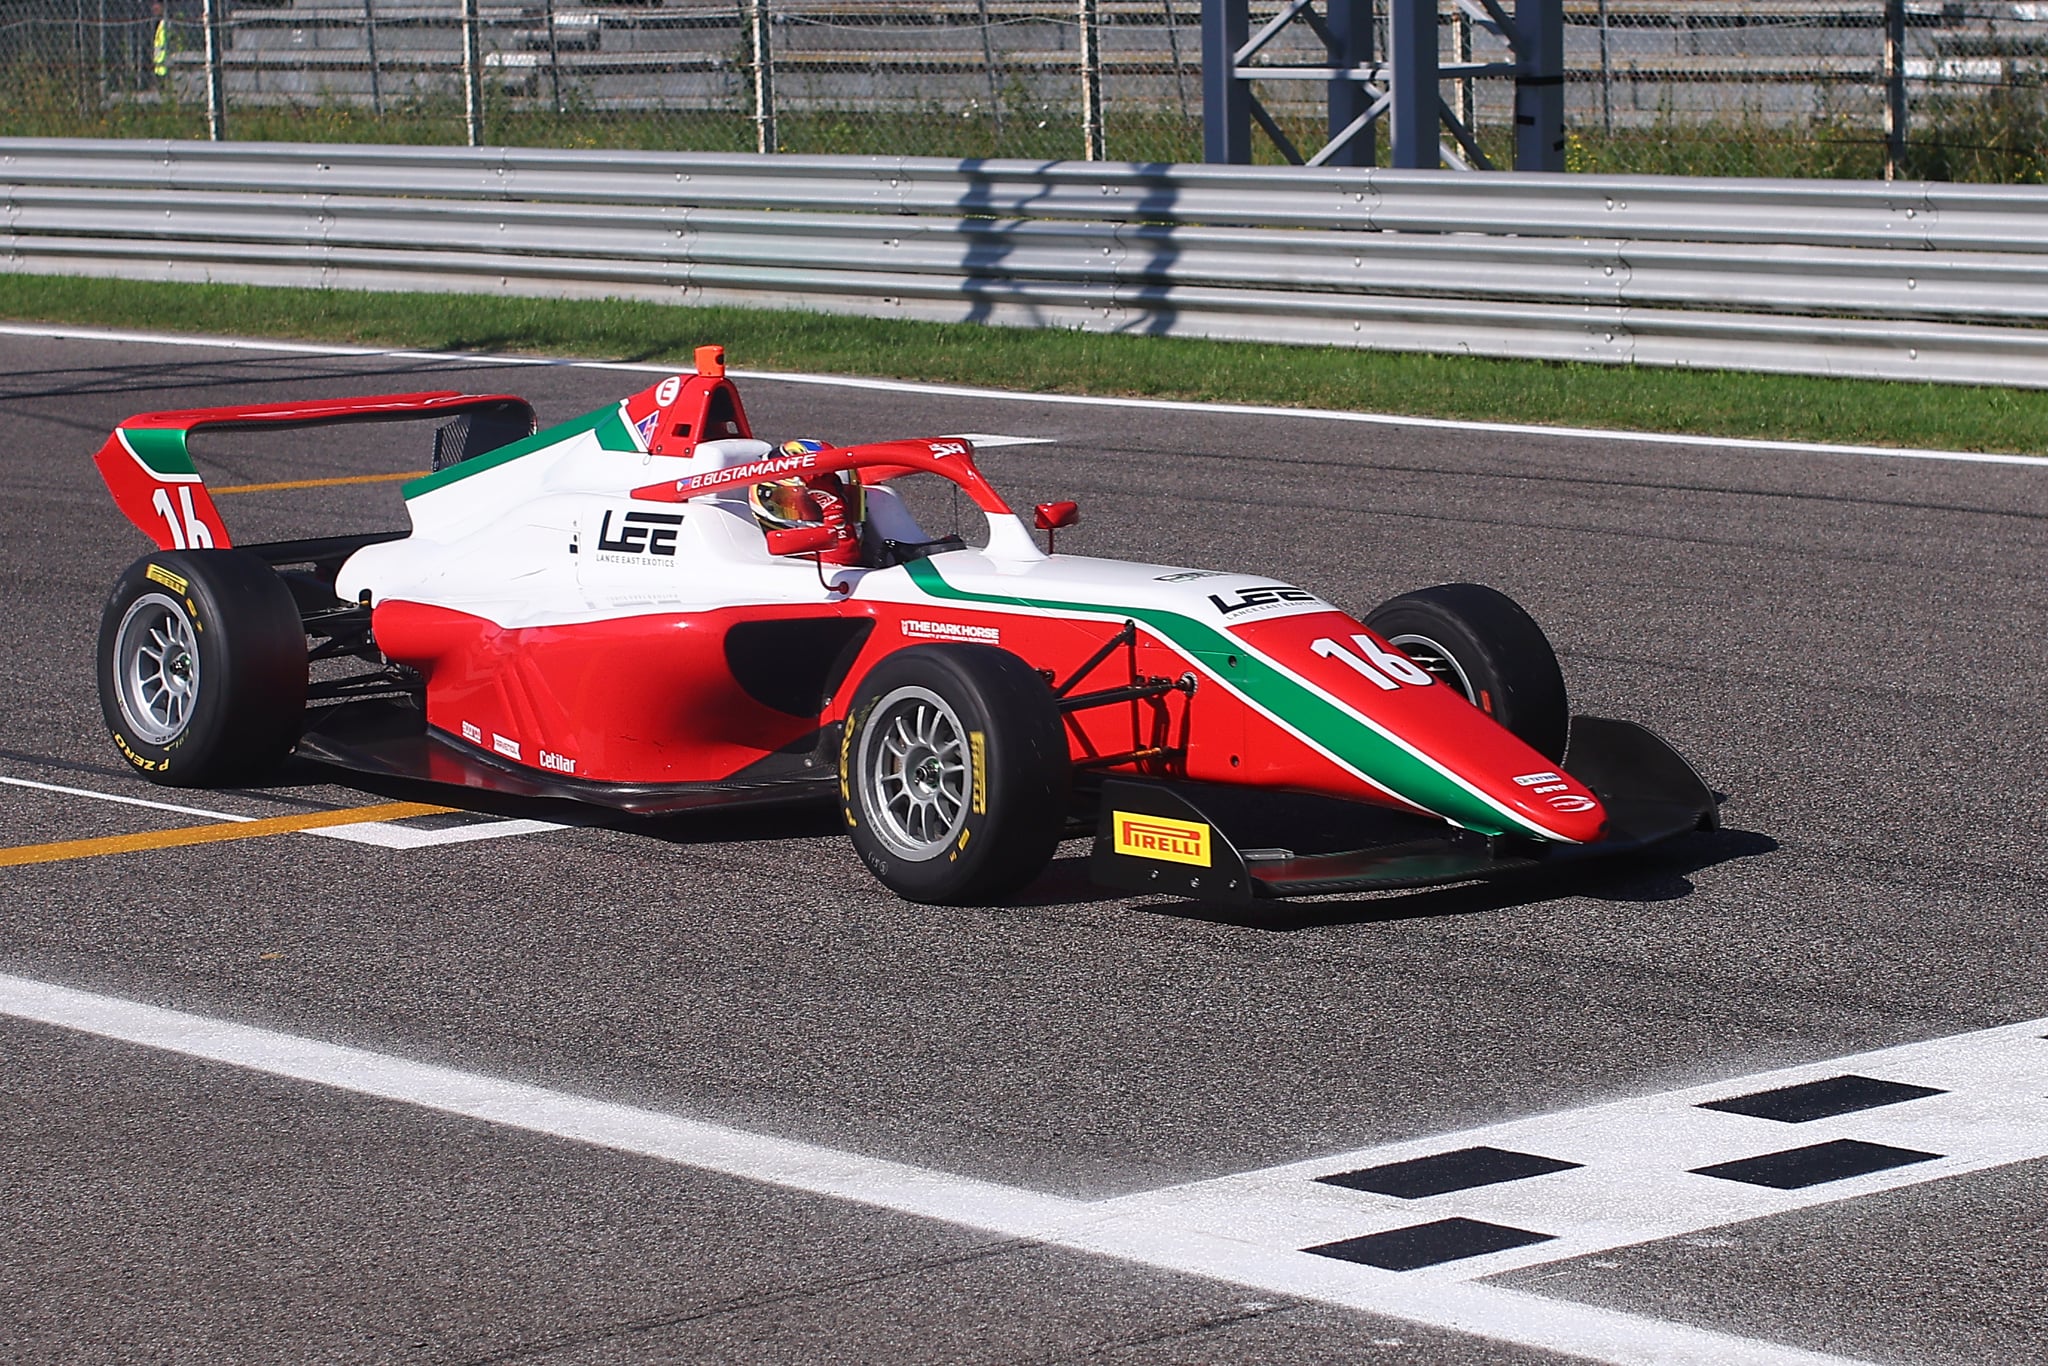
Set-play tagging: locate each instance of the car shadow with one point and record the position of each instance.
(809, 818)
(1648, 876)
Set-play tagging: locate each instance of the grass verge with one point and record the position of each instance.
(1717, 403)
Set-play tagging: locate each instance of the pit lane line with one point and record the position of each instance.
(1156, 1229)
(57, 332)
(360, 829)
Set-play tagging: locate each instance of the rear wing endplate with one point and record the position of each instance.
(148, 466)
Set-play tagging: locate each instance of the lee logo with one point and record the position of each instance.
(641, 533)
(1375, 663)
(1160, 837)
(1260, 597)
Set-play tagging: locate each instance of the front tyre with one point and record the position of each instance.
(1480, 641)
(202, 667)
(953, 773)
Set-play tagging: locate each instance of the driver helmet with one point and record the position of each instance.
(787, 503)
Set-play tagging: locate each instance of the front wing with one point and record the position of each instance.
(1240, 844)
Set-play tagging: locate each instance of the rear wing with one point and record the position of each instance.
(148, 466)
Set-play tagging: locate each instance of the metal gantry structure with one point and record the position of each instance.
(1402, 88)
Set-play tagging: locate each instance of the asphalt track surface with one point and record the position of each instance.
(1849, 647)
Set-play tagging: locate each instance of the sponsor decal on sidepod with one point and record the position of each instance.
(952, 630)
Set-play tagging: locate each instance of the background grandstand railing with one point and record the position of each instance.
(1713, 87)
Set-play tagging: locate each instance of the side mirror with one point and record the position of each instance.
(800, 540)
(1052, 516)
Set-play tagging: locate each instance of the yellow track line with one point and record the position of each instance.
(211, 834)
(317, 483)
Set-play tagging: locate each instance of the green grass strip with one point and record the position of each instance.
(1711, 403)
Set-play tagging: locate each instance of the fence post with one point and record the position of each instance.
(554, 57)
(765, 139)
(1539, 85)
(472, 74)
(988, 61)
(376, 76)
(1091, 84)
(1606, 78)
(1461, 44)
(1350, 47)
(1180, 74)
(216, 89)
(1894, 87)
(1226, 101)
(1412, 68)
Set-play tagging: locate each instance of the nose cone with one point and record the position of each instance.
(1418, 738)
(1556, 803)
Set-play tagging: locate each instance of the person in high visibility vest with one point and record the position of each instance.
(160, 44)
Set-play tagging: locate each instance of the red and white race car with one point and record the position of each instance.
(648, 609)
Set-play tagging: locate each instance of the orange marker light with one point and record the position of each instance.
(711, 362)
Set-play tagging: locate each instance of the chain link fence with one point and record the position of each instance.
(1699, 87)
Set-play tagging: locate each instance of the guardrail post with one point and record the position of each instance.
(216, 90)
(765, 139)
(1226, 101)
(1412, 38)
(1350, 25)
(472, 74)
(1091, 84)
(1894, 87)
(1539, 85)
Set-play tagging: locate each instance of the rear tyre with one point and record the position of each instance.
(1479, 641)
(202, 667)
(953, 773)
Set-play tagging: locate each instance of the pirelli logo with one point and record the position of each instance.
(156, 573)
(1160, 837)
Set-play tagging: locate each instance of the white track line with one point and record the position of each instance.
(1065, 400)
(384, 834)
(1118, 1229)
(1636, 1181)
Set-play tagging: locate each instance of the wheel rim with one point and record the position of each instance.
(1437, 662)
(914, 772)
(156, 668)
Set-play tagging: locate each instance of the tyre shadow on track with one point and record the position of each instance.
(1654, 875)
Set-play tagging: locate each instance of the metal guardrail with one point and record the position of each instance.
(1896, 281)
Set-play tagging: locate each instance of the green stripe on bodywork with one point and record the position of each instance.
(1300, 706)
(161, 449)
(606, 422)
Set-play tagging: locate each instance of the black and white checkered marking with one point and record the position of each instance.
(1431, 1244)
(1460, 1169)
(1822, 1099)
(1581, 1181)
(1797, 1168)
